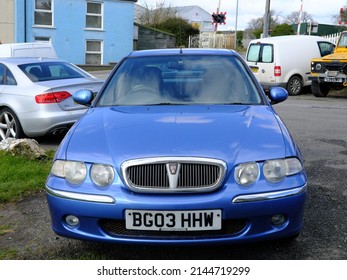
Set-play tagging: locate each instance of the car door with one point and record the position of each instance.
(260, 58)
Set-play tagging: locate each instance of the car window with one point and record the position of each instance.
(2, 74)
(180, 80)
(260, 53)
(6, 76)
(326, 48)
(48, 71)
(343, 40)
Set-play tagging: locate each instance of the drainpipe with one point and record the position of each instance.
(25, 21)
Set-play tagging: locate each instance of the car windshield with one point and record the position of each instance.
(343, 40)
(180, 80)
(48, 71)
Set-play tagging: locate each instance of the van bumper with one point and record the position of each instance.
(268, 86)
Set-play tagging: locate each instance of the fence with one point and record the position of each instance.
(211, 40)
(333, 37)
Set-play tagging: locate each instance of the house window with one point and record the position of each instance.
(94, 15)
(43, 13)
(94, 52)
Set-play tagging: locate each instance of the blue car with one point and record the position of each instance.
(180, 146)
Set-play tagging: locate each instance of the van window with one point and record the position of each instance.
(260, 53)
(253, 53)
(267, 54)
(326, 48)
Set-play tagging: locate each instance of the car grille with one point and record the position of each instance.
(174, 174)
(117, 228)
(334, 66)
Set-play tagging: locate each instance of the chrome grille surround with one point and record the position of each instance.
(173, 174)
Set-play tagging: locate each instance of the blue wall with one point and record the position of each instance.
(69, 35)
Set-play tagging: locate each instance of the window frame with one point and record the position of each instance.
(51, 11)
(101, 52)
(261, 53)
(101, 15)
(325, 48)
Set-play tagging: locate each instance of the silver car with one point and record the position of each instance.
(36, 96)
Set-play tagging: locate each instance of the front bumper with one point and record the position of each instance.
(244, 218)
(339, 78)
(268, 86)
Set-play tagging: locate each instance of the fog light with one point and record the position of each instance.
(72, 220)
(278, 220)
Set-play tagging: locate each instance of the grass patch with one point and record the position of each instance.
(5, 229)
(9, 254)
(21, 176)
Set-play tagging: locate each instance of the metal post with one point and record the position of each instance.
(266, 19)
(215, 27)
(237, 12)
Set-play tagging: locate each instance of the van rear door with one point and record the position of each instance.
(260, 58)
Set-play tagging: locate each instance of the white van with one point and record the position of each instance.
(285, 61)
(27, 50)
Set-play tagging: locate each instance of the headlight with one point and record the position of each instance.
(276, 170)
(246, 173)
(102, 175)
(294, 166)
(318, 67)
(58, 168)
(73, 171)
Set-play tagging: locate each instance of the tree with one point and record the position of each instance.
(239, 38)
(155, 15)
(179, 27)
(282, 29)
(255, 26)
(293, 18)
(335, 18)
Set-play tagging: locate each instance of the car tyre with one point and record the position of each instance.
(295, 85)
(10, 126)
(319, 89)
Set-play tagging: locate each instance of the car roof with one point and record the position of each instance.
(25, 60)
(178, 51)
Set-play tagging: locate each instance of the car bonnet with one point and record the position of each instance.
(233, 134)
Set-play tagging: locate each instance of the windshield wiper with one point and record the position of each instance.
(164, 103)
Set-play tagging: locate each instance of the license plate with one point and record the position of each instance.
(254, 69)
(332, 73)
(173, 220)
(333, 80)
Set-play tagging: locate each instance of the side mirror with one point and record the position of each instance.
(83, 97)
(277, 95)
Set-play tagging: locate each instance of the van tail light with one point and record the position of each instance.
(52, 97)
(277, 71)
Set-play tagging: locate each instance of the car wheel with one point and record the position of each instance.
(295, 85)
(319, 89)
(9, 125)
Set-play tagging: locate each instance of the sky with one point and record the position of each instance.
(320, 10)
